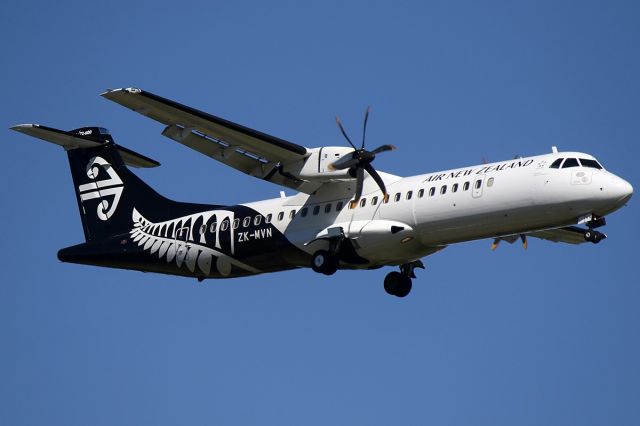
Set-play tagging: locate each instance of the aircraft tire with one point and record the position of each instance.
(588, 235)
(324, 263)
(397, 284)
(404, 287)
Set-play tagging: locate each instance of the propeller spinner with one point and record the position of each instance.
(360, 160)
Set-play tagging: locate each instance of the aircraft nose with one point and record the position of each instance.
(621, 190)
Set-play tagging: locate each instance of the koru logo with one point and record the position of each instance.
(101, 189)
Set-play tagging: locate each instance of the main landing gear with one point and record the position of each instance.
(324, 262)
(399, 283)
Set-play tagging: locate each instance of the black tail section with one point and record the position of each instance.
(107, 191)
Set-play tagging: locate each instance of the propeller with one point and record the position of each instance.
(360, 160)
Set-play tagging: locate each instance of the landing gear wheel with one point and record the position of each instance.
(397, 284)
(324, 263)
(594, 236)
(597, 237)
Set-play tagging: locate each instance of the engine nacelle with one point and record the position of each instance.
(316, 166)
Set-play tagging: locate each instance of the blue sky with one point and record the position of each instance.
(546, 336)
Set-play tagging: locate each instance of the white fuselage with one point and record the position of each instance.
(430, 211)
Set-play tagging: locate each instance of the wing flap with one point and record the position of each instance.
(237, 158)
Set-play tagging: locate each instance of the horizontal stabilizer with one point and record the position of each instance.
(87, 137)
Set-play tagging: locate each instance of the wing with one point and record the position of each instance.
(250, 151)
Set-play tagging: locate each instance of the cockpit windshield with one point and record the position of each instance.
(556, 164)
(574, 162)
(590, 163)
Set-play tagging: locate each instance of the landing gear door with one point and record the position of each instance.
(478, 185)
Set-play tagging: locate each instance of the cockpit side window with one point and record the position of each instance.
(556, 164)
(570, 162)
(590, 163)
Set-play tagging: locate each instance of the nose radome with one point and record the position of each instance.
(623, 189)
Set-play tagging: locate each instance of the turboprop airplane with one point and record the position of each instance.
(345, 215)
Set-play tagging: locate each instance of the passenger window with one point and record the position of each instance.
(397, 197)
(236, 223)
(257, 220)
(432, 191)
(454, 188)
(421, 193)
(224, 226)
(292, 213)
(590, 163)
(443, 189)
(316, 210)
(304, 212)
(465, 187)
(478, 183)
(267, 218)
(374, 201)
(327, 208)
(409, 195)
(556, 164)
(246, 221)
(570, 162)
(280, 215)
(490, 182)
(213, 227)
(363, 202)
(203, 229)
(339, 206)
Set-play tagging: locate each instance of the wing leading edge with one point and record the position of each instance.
(249, 151)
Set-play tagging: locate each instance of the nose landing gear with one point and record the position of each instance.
(399, 283)
(594, 236)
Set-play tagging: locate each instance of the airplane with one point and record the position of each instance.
(345, 214)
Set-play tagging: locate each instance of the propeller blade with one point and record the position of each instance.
(359, 182)
(342, 164)
(345, 133)
(383, 148)
(495, 243)
(372, 172)
(364, 127)
(524, 241)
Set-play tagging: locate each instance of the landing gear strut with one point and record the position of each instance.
(327, 261)
(399, 283)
